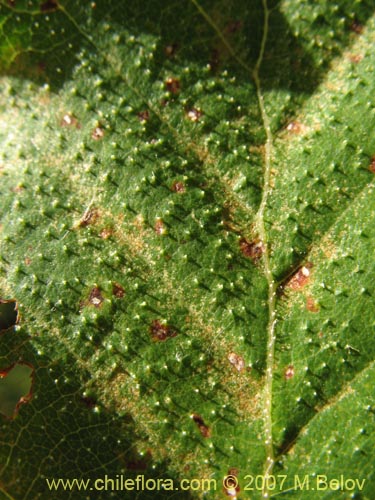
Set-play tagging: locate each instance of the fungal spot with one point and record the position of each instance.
(170, 50)
(204, 430)
(49, 6)
(144, 116)
(96, 298)
(159, 227)
(194, 114)
(172, 85)
(15, 388)
(117, 290)
(27, 261)
(251, 249)
(178, 187)
(300, 278)
(311, 305)
(356, 27)
(289, 372)
(237, 361)
(9, 315)
(12, 3)
(161, 331)
(372, 165)
(70, 120)
(89, 217)
(97, 133)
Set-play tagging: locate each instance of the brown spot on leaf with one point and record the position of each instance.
(215, 60)
(9, 315)
(69, 120)
(49, 6)
(289, 372)
(372, 165)
(300, 278)
(118, 290)
(97, 133)
(160, 331)
(231, 485)
(12, 3)
(234, 26)
(171, 49)
(178, 187)
(27, 261)
(203, 428)
(311, 305)
(140, 464)
(96, 298)
(356, 27)
(172, 85)
(89, 217)
(194, 114)
(106, 233)
(159, 227)
(88, 401)
(355, 58)
(295, 127)
(237, 361)
(144, 116)
(251, 249)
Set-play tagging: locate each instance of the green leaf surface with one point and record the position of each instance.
(186, 226)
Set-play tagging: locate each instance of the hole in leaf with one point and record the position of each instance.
(161, 331)
(8, 314)
(203, 428)
(15, 388)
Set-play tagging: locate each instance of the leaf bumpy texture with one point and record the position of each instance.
(187, 249)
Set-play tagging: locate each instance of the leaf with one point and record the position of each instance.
(186, 228)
